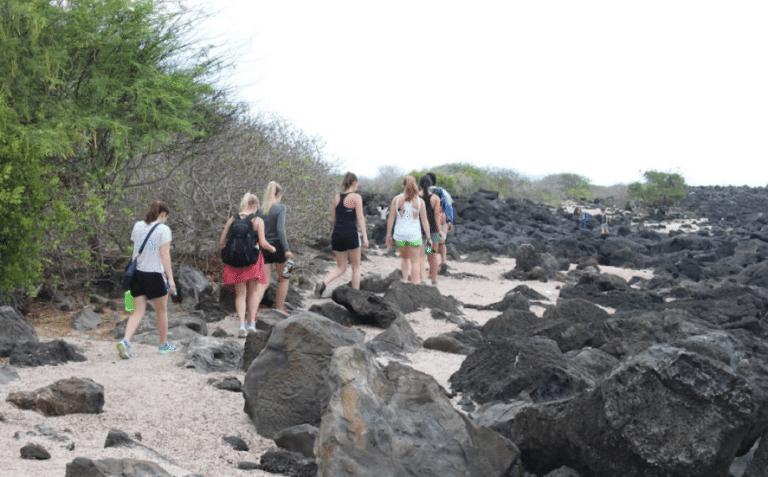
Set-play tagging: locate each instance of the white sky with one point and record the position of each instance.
(605, 89)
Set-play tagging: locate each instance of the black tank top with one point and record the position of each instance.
(346, 218)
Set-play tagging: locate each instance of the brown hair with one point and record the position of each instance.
(349, 178)
(155, 209)
(410, 188)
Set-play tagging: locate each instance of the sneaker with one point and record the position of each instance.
(166, 348)
(319, 289)
(241, 332)
(124, 349)
(434, 282)
(252, 327)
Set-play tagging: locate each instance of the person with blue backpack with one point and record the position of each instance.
(243, 262)
(446, 217)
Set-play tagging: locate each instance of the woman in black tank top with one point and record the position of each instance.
(347, 217)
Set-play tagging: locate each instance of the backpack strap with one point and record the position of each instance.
(146, 238)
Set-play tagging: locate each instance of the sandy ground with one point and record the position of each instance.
(183, 418)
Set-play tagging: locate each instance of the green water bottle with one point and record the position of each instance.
(128, 301)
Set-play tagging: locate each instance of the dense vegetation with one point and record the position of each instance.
(659, 189)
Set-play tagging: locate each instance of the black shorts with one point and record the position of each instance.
(150, 284)
(277, 257)
(345, 241)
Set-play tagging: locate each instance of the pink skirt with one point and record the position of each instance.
(234, 275)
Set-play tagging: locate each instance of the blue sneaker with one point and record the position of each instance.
(124, 349)
(166, 348)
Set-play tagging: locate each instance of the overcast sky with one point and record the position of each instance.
(605, 89)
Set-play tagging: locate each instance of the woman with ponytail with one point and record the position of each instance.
(153, 277)
(273, 213)
(436, 235)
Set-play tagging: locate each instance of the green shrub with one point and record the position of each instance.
(659, 189)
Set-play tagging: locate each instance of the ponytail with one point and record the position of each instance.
(270, 195)
(349, 179)
(425, 183)
(155, 209)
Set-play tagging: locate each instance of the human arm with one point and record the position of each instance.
(391, 220)
(333, 209)
(281, 231)
(223, 238)
(258, 226)
(361, 219)
(434, 201)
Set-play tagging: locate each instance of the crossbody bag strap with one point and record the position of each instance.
(145, 239)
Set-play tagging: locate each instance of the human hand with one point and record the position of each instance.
(289, 255)
(365, 243)
(389, 240)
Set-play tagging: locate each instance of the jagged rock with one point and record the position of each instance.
(447, 344)
(759, 465)
(66, 396)
(194, 286)
(237, 443)
(83, 467)
(664, 412)
(596, 362)
(408, 298)
(34, 452)
(14, 330)
(209, 355)
(502, 369)
(366, 308)
(33, 354)
(512, 300)
(8, 375)
(294, 363)
(85, 320)
(300, 439)
(334, 312)
(397, 421)
(228, 383)
(510, 324)
(572, 324)
(398, 338)
(283, 462)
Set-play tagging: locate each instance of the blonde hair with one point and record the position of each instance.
(270, 195)
(248, 200)
(410, 190)
(349, 179)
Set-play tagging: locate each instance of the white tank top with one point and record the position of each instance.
(408, 224)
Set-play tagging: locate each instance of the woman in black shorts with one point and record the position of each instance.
(273, 214)
(347, 217)
(153, 278)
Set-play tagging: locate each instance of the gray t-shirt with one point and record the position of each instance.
(274, 225)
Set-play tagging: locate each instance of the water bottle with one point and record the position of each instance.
(128, 301)
(288, 269)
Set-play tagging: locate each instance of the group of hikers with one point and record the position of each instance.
(254, 241)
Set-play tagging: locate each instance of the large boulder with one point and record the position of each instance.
(366, 307)
(14, 329)
(194, 285)
(390, 421)
(50, 353)
(398, 338)
(665, 412)
(503, 369)
(408, 298)
(209, 355)
(287, 385)
(84, 467)
(66, 396)
(85, 320)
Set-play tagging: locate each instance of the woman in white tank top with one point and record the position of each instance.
(411, 214)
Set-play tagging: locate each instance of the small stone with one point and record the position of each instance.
(34, 452)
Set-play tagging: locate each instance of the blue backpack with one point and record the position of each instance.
(446, 203)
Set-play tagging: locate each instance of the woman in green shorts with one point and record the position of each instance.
(411, 214)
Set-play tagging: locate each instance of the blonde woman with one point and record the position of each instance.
(249, 281)
(272, 212)
(411, 214)
(348, 225)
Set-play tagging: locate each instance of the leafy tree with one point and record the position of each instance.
(659, 189)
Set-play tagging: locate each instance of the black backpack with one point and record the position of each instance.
(241, 249)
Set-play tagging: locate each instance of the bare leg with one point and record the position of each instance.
(341, 267)
(413, 258)
(405, 262)
(161, 311)
(282, 287)
(256, 291)
(443, 252)
(354, 261)
(433, 267)
(140, 306)
(241, 291)
(422, 264)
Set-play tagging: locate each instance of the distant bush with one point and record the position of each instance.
(659, 189)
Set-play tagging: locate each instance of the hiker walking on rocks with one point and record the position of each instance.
(272, 212)
(411, 213)
(446, 216)
(153, 277)
(347, 217)
(435, 234)
(243, 262)
(604, 221)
